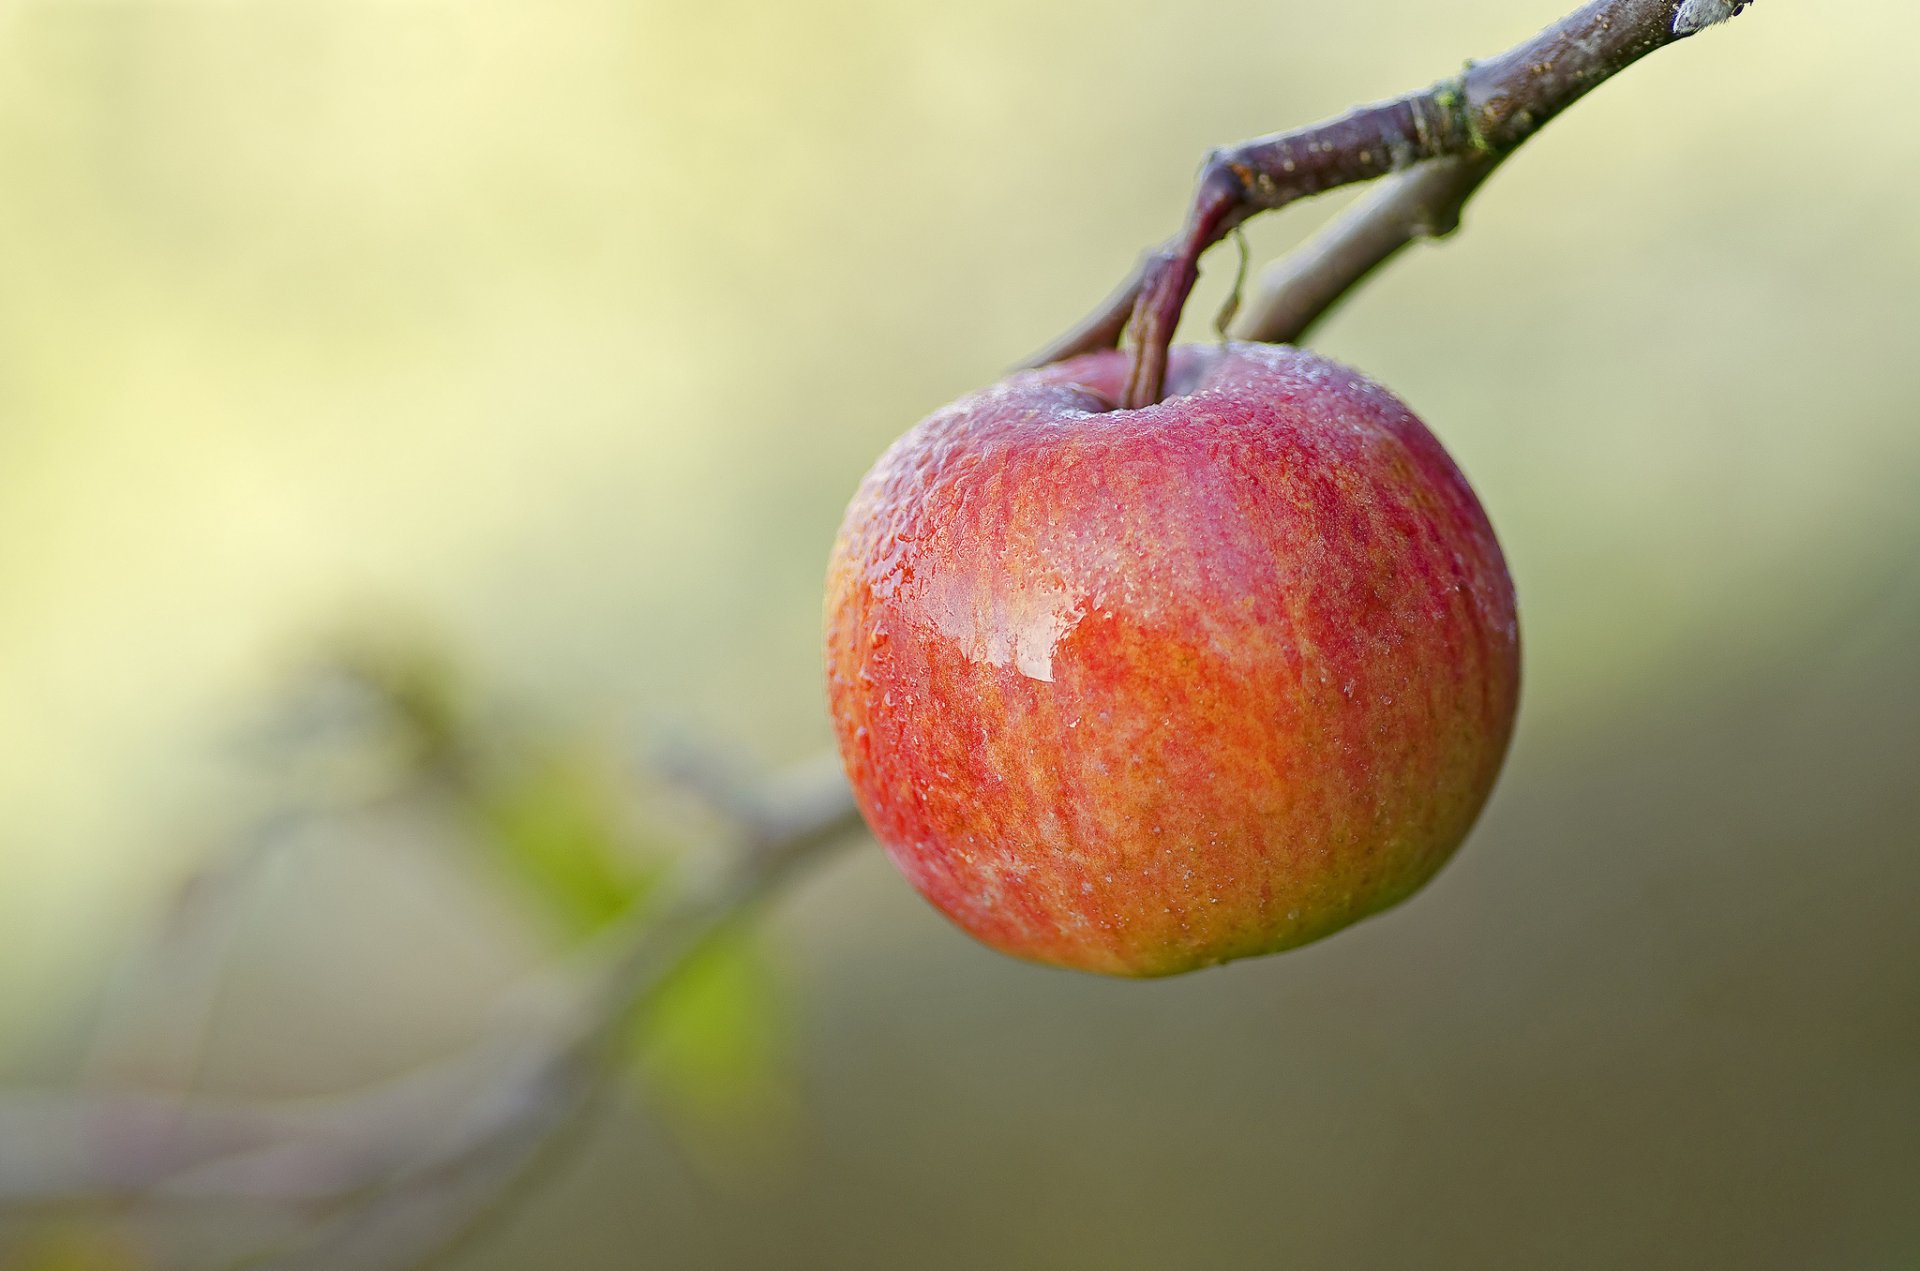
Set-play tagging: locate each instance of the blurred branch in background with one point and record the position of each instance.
(390, 1175)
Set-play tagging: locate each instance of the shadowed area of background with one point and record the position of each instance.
(563, 332)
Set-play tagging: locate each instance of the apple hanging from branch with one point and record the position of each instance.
(1154, 658)
(1141, 691)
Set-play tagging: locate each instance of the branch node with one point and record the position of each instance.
(1697, 15)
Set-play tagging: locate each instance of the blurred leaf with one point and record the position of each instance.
(713, 1050)
(558, 826)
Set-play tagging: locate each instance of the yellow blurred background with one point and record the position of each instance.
(563, 330)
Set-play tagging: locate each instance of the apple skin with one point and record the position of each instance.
(1139, 692)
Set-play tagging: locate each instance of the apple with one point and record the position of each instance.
(1142, 691)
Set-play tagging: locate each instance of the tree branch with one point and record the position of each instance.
(1472, 121)
(1297, 292)
(404, 1169)
(436, 1201)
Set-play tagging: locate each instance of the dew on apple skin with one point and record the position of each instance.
(1095, 592)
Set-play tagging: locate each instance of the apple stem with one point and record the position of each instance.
(1438, 146)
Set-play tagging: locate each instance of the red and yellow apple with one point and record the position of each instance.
(1141, 691)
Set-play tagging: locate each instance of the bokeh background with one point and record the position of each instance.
(555, 335)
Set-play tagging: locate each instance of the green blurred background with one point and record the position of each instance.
(563, 330)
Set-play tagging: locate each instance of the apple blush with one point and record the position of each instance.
(1143, 691)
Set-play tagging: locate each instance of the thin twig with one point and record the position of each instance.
(1480, 117)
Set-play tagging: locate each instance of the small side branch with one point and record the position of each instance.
(1294, 294)
(1462, 128)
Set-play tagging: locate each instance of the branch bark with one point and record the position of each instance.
(1462, 128)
